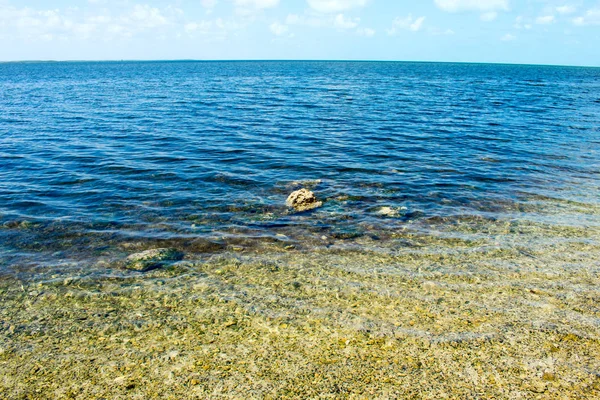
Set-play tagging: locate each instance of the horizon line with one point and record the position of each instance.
(32, 61)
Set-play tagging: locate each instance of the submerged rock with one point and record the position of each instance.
(303, 200)
(387, 212)
(151, 259)
(311, 183)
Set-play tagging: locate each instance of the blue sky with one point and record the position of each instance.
(513, 31)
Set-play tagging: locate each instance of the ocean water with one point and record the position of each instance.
(99, 158)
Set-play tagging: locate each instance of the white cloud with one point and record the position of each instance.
(312, 21)
(99, 19)
(278, 29)
(331, 6)
(367, 32)
(227, 25)
(545, 20)
(440, 32)
(118, 30)
(147, 17)
(566, 9)
(208, 3)
(472, 5)
(416, 26)
(489, 16)
(46, 25)
(522, 23)
(257, 4)
(294, 19)
(197, 27)
(339, 21)
(342, 22)
(508, 38)
(249, 8)
(407, 23)
(591, 17)
(73, 24)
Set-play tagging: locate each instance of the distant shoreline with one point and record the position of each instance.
(296, 61)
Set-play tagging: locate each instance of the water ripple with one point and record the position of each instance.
(179, 150)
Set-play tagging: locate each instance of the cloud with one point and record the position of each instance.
(278, 29)
(294, 19)
(508, 38)
(545, 20)
(566, 9)
(339, 21)
(366, 32)
(522, 23)
(472, 5)
(30, 24)
(591, 17)
(312, 21)
(435, 31)
(406, 23)
(332, 6)
(249, 8)
(208, 3)
(489, 16)
(256, 4)
(73, 24)
(342, 22)
(147, 17)
(202, 27)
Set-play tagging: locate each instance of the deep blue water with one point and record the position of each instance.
(207, 152)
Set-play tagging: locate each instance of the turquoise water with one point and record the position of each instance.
(96, 157)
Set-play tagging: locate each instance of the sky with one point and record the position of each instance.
(565, 32)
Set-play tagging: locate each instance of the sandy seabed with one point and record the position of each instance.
(498, 309)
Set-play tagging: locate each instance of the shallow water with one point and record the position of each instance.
(201, 155)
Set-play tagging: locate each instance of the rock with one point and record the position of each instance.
(151, 259)
(303, 200)
(388, 212)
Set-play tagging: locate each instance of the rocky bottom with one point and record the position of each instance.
(513, 315)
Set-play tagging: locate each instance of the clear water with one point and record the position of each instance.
(202, 155)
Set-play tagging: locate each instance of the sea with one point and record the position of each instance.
(99, 158)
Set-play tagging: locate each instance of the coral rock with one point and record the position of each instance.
(303, 200)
